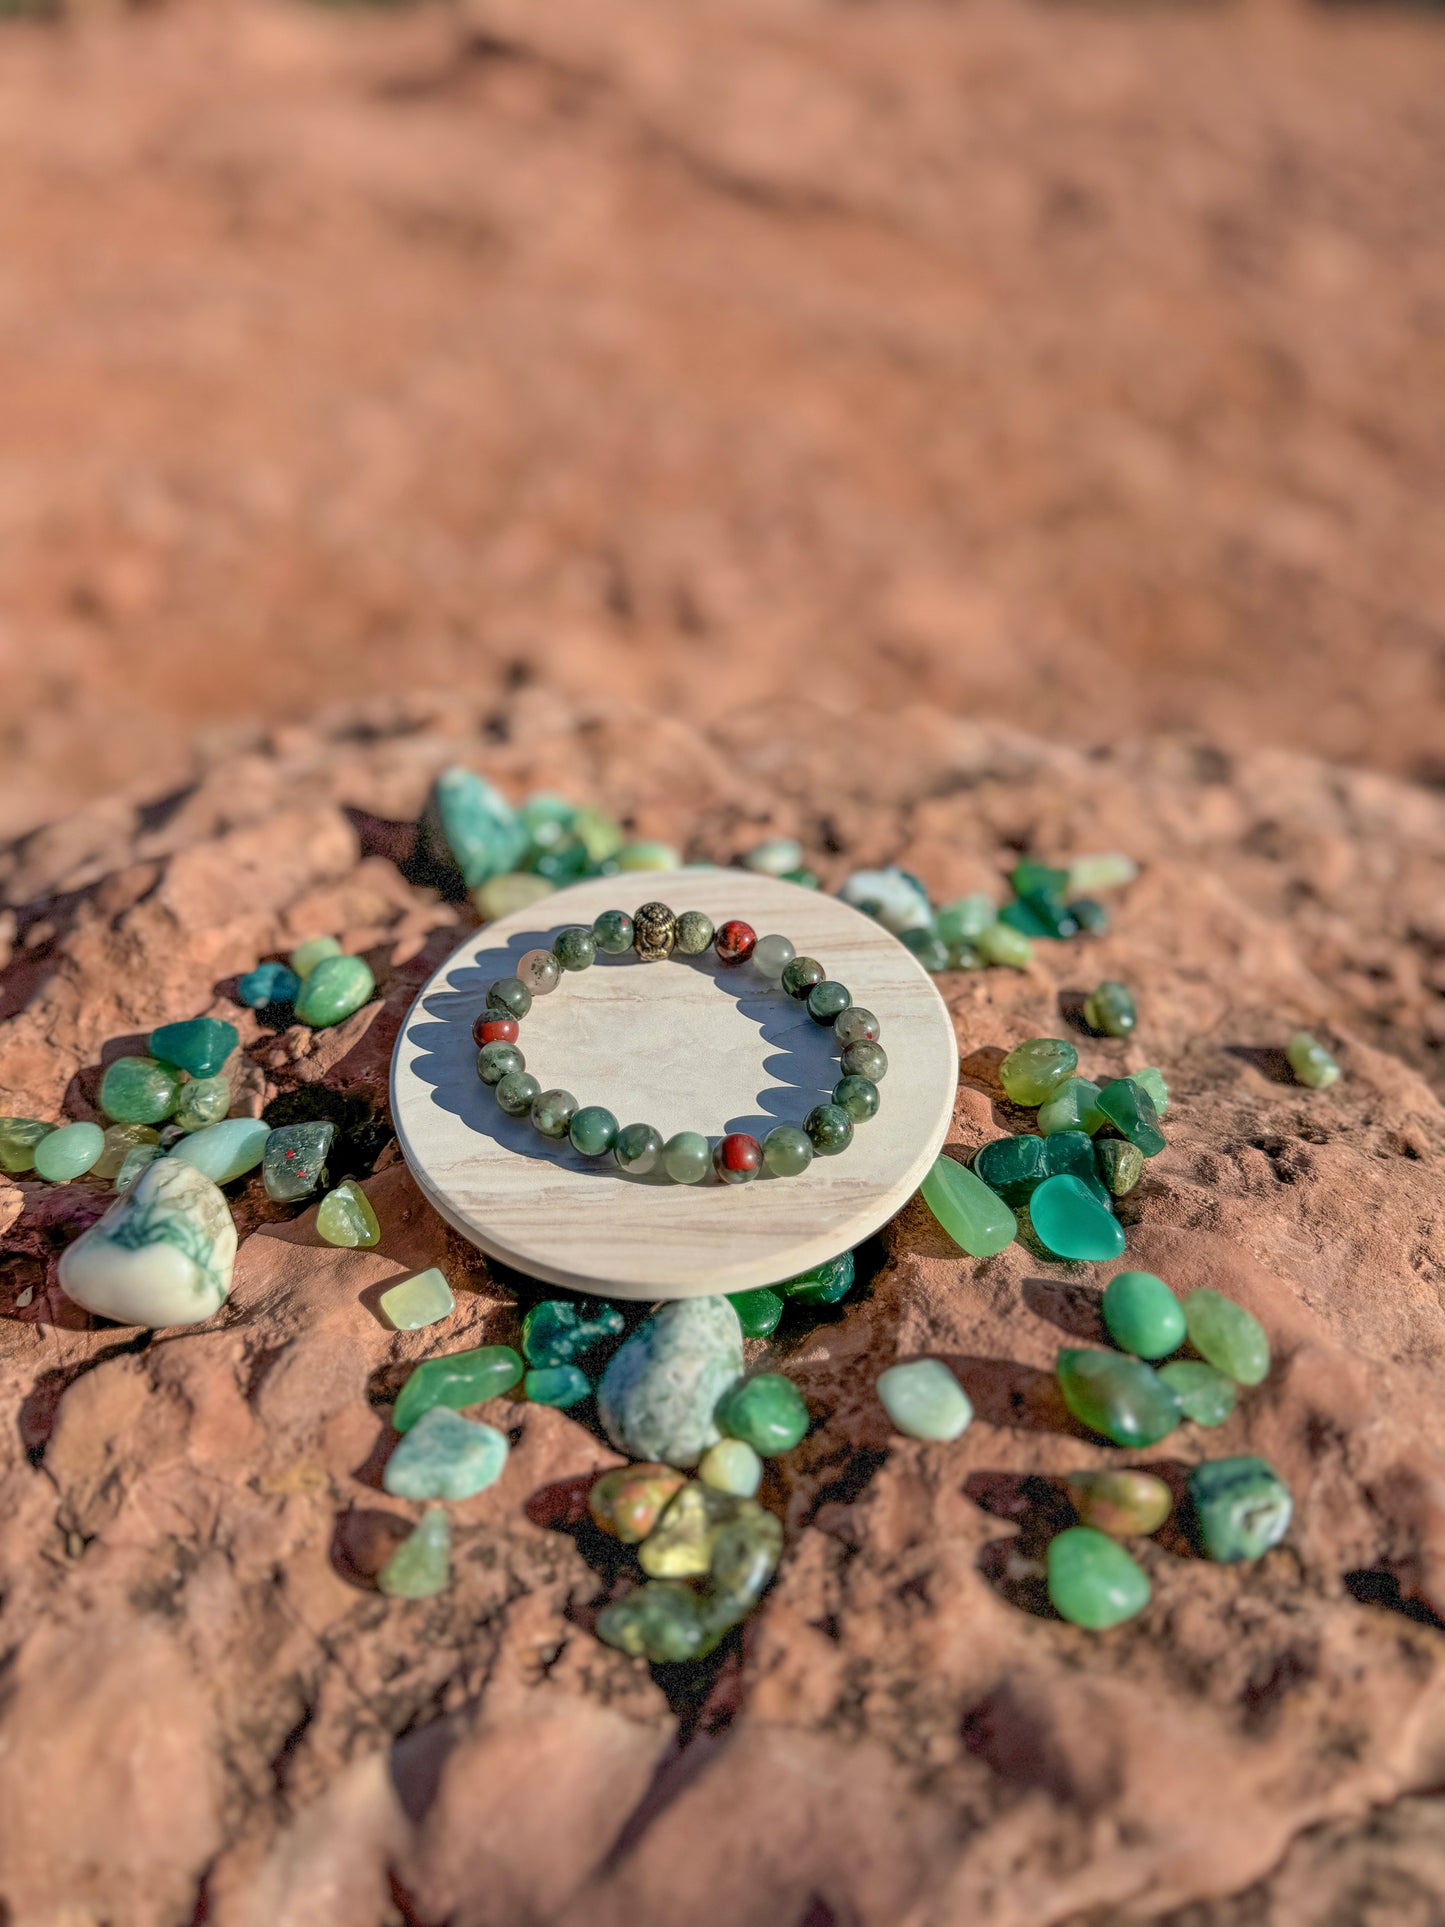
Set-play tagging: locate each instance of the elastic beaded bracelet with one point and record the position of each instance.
(654, 933)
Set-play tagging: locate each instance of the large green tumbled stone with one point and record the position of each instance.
(456, 1380)
(336, 988)
(226, 1150)
(658, 1395)
(139, 1090)
(1229, 1337)
(1241, 1507)
(470, 825)
(1205, 1395)
(1311, 1063)
(1130, 1111)
(204, 1100)
(1073, 1107)
(295, 1159)
(1012, 1166)
(345, 1217)
(560, 1385)
(825, 1284)
(18, 1139)
(977, 1219)
(559, 1331)
(758, 1311)
(661, 1621)
(1093, 1582)
(421, 1565)
(924, 1399)
(69, 1152)
(767, 1412)
(421, 1300)
(200, 1045)
(1123, 1504)
(1034, 1070)
(1122, 1399)
(1142, 1315)
(445, 1456)
(1069, 1221)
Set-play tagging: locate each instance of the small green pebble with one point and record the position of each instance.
(69, 1152)
(648, 856)
(120, 1141)
(1241, 1507)
(1012, 1166)
(267, 984)
(1110, 871)
(559, 1331)
(456, 1380)
(758, 1311)
(924, 1399)
(445, 1456)
(420, 1567)
(787, 1150)
(825, 1284)
(424, 1299)
(18, 1139)
(767, 1412)
(592, 1131)
(139, 1090)
(612, 932)
(1122, 1399)
(1142, 1315)
(1204, 1394)
(514, 890)
(1229, 1337)
(1109, 1009)
(1123, 1504)
(858, 1096)
(1070, 1221)
(965, 919)
(731, 1466)
(345, 1217)
(976, 1218)
(305, 957)
(931, 951)
(687, 1157)
(660, 1621)
(559, 1385)
(201, 1045)
(335, 990)
(1152, 1080)
(1001, 945)
(1093, 1582)
(226, 1150)
(204, 1100)
(1130, 1111)
(1033, 1071)
(1311, 1063)
(1073, 1107)
(1120, 1165)
(137, 1158)
(575, 948)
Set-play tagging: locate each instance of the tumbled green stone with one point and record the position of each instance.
(931, 951)
(1109, 1009)
(1122, 1399)
(1073, 1107)
(802, 977)
(965, 956)
(1030, 877)
(345, 1217)
(865, 1060)
(638, 1149)
(898, 900)
(827, 1001)
(825, 1284)
(567, 863)
(226, 1150)
(1091, 917)
(421, 1300)
(976, 1219)
(499, 896)
(1093, 1582)
(69, 1152)
(602, 836)
(924, 1399)
(787, 1150)
(294, 1162)
(767, 1411)
(648, 856)
(18, 1139)
(661, 1621)
(305, 957)
(829, 1128)
(553, 1112)
(1241, 1507)
(858, 1096)
(1130, 1111)
(1107, 871)
(205, 1100)
(1120, 1165)
(445, 1456)
(1039, 914)
(498, 1060)
(120, 1141)
(547, 818)
(201, 1045)
(687, 1157)
(517, 1092)
(593, 1131)
(628, 1501)
(161, 1255)
(965, 919)
(139, 1090)
(137, 1158)
(335, 990)
(470, 824)
(659, 1393)
(559, 1385)
(456, 1380)
(1033, 1071)
(680, 1544)
(1142, 1315)
(1311, 1063)
(745, 1556)
(1204, 1394)
(731, 1466)
(269, 983)
(1229, 1337)
(775, 856)
(420, 1567)
(1070, 1154)
(1012, 1166)
(612, 932)
(510, 996)
(695, 933)
(1001, 945)
(559, 1331)
(1069, 1220)
(575, 948)
(758, 1311)
(1123, 1504)
(1152, 1080)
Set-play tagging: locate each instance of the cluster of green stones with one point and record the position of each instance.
(320, 984)
(653, 933)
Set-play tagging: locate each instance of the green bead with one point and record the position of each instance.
(787, 1151)
(1120, 1398)
(575, 948)
(758, 1311)
(499, 896)
(294, 1161)
(120, 1141)
(559, 1385)
(858, 1096)
(1000, 944)
(1073, 1107)
(1120, 1165)
(456, 1380)
(305, 957)
(137, 1159)
(648, 856)
(510, 996)
(829, 1128)
(694, 934)
(825, 1284)
(445, 1456)
(139, 1090)
(965, 919)
(856, 1025)
(421, 1300)
(1229, 1337)
(1204, 1394)
(1142, 1315)
(1241, 1507)
(1093, 1582)
(1123, 1504)
(69, 1152)
(1030, 878)
(1130, 1111)
(612, 932)
(593, 1131)
(827, 1001)
(638, 1149)
(865, 1060)
(553, 1112)
(687, 1157)
(924, 1399)
(18, 1139)
(1033, 1071)
(731, 1466)
(201, 1045)
(661, 1621)
(976, 1219)
(1109, 1009)
(498, 1060)
(802, 977)
(1069, 1221)
(559, 1331)
(336, 989)
(517, 1092)
(767, 1412)
(1152, 1081)
(930, 951)
(226, 1150)
(205, 1100)
(1311, 1062)
(1012, 1166)
(420, 1567)
(345, 1217)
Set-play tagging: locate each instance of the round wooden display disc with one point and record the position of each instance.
(685, 1044)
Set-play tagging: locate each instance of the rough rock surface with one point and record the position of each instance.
(207, 1710)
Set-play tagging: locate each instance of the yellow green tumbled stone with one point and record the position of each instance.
(421, 1565)
(977, 1219)
(1093, 1582)
(1205, 1395)
(1073, 1107)
(1311, 1063)
(680, 1544)
(120, 1141)
(1125, 1504)
(1227, 1336)
(415, 1302)
(1109, 1009)
(999, 944)
(336, 988)
(305, 957)
(18, 1139)
(731, 1466)
(499, 896)
(345, 1217)
(1034, 1070)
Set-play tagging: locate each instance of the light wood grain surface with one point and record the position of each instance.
(682, 1045)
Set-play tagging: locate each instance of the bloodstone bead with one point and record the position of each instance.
(575, 948)
(1093, 1582)
(1120, 1165)
(509, 996)
(930, 951)
(738, 1158)
(865, 1060)
(1033, 1071)
(767, 1412)
(1123, 1399)
(827, 1001)
(694, 933)
(540, 971)
(830, 1128)
(1122, 1504)
(1110, 1010)
(1142, 1315)
(638, 1149)
(801, 977)
(787, 1151)
(613, 932)
(735, 941)
(825, 1284)
(1204, 1394)
(1012, 1166)
(1130, 1111)
(1070, 1221)
(553, 1112)
(593, 1131)
(517, 1092)
(858, 1096)
(496, 1061)
(1241, 1507)
(492, 1028)
(654, 932)
(758, 1311)
(855, 1025)
(1231, 1338)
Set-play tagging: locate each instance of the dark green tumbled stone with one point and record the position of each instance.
(201, 1045)
(661, 1621)
(559, 1385)
(1241, 1507)
(1204, 1394)
(1130, 1111)
(568, 863)
(294, 1160)
(858, 1096)
(1013, 1166)
(830, 1128)
(511, 996)
(825, 1284)
(1120, 1165)
(766, 1412)
(496, 1061)
(1070, 1154)
(516, 1093)
(612, 932)
(1090, 915)
(827, 1001)
(575, 948)
(1121, 1398)
(930, 951)
(1030, 876)
(1142, 1315)
(559, 1331)
(1039, 914)
(1093, 1582)
(758, 1311)
(801, 978)
(1109, 1009)
(457, 1380)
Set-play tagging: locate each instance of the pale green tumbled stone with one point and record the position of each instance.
(731, 1466)
(1035, 1070)
(226, 1150)
(335, 990)
(345, 1217)
(139, 1090)
(661, 1386)
(516, 890)
(205, 1100)
(162, 1254)
(120, 1141)
(1311, 1062)
(420, 1567)
(445, 1456)
(924, 1399)
(1000, 944)
(305, 957)
(415, 1302)
(775, 857)
(648, 856)
(1227, 1336)
(1072, 1107)
(1151, 1079)
(469, 824)
(1204, 1394)
(966, 919)
(1093, 1582)
(1109, 871)
(18, 1139)
(69, 1152)
(976, 1219)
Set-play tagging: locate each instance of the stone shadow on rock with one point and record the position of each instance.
(363, 1540)
(1074, 1308)
(1040, 1508)
(1018, 1398)
(1268, 1059)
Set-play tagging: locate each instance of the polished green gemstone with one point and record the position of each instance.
(204, 1100)
(1070, 1154)
(120, 1141)
(858, 1096)
(445, 1456)
(226, 1150)
(1091, 917)
(269, 983)
(553, 1112)
(1229, 1337)
(855, 1025)
(965, 956)
(802, 977)
(1109, 871)
(69, 1152)
(898, 900)
(559, 1385)
(931, 951)
(829, 1128)
(1311, 1063)
(612, 932)
(305, 957)
(661, 1621)
(1000, 944)
(680, 1544)
(771, 957)
(825, 1284)
(638, 1149)
(294, 1161)
(1012, 1166)
(559, 1331)
(1033, 1071)
(1241, 1507)
(510, 996)
(18, 1139)
(336, 989)
(420, 1567)
(731, 1466)
(345, 1217)
(767, 1412)
(575, 948)
(1039, 914)
(499, 896)
(567, 863)
(603, 837)
(1030, 877)
(787, 1150)
(593, 1131)
(201, 1045)
(456, 1380)
(1120, 1165)
(827, 1001)
(498, 1060)
(865, 1060)
(421, 1300)
(1142, 1315)
(1069, 1221)
(517, 1092)
(687, 1157)
(1073, 1107)
(965, 919)
(547, 819)
(1124, 1504)
(139, 1090)
(1122, 1399)
(924, 1399)
(1109, 1009)
(758, 1311)
(469, 823)
(976, 1219)
(1152, 1080)
(695, 933)
(1130, 1111)
(745, 1556)
(648, 856)
(136, 1160)
(1093, 1582)
(1204, 1394)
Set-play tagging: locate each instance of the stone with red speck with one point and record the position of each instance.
(738, 1158)
(294, 1161)
(491, 1028)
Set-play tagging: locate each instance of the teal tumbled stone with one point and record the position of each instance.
(294, 1160)
(1204, 1394)
(1073, 1107)
(69, 1152)
(226, 1150)
(787, 1151)
(421, 1565)
(1093, 1581)
(471, 825)
(517, 1092)
(559, 1385)
(1034, 1070)
(445, 1456)
(200, 1045)
(1012, 1166)
(559, 1331)
(1130, 1111)
(825, 1284)
(976, 1218)
(1142, 1315)
(267, 984)
(767, 1412)
(203, 1101)
(924, 1399)
(638, 1149)
(1039, 914)
(1229, 1337)
(139, 1090)
(593, 1131)
(758, 1311)
(335, 990)
(18, 1139)
(858, 1096)
(1109, 1009)
(829, 1128)
(1241, 1508)
(456, 1380)
(1069, 1221)
(1122, 1399)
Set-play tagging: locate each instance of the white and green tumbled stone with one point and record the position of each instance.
(204, 1100)
(657, 1396)
(226, 1150)
(424, 1299)
(445, 1456)
(775, 857)
(162, 1255)
(924, 1399)
(898, 900)
(421, 1565)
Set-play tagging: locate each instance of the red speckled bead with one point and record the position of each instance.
(739, 1157)
(734, 945)
(492, 1028)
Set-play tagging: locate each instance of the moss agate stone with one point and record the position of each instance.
(801, 978)
(758, 1311)
(629, 1501)
(1012, 1166)
(1142, 1315)
(766, 1412)
(1125, 1504)
(335, 990)
(825, 1284)
(200, 1045)
(139, 1090)
(294, 1161)
(424, 1299)
(924, 1399)
(661, 1621)
(204, 1100)
(1227, 1336)
(1069, 1220)
(977, 1219)
(553, 1112)
(69, 1153)
(662, 1385)
(731, 1466)
(18, 1139)
(562, 1386)
(517, 1092)
(829, 1127)
(420, 1567)
(1109, 1009)
(1130, 1111)
(120, 1141)
(226, 1150)
(1033, 1071)
(345, 1217)
(161, 1255)
(135, 1161)
(1241, 1508)
(638, 1149)
(1120, 1166)
(1122, 1399)
(1093, 1582)
(680, 1545)
(1311, 1062)
(469, 826)
(559, 1331)
(1073, 1107)
(456, 1380)
(268, 984)
(1204, 1395)
(745, 1556)
(445, 1456)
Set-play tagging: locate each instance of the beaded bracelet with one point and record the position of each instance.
(654, 933)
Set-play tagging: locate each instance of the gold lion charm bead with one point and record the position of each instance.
(654, 932)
